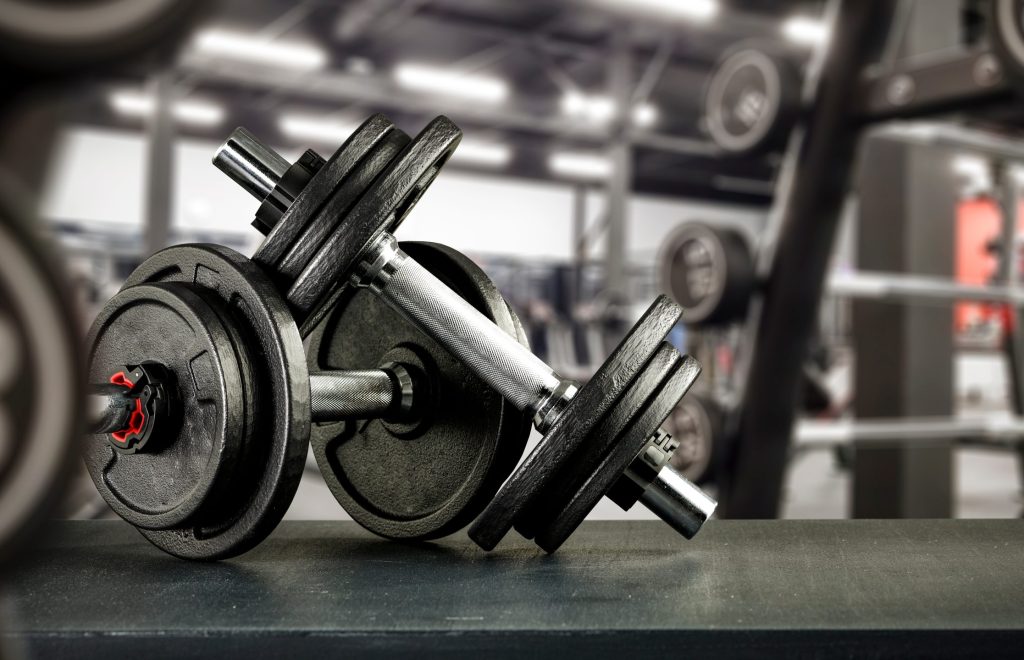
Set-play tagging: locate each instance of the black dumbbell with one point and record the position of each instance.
(336, 233)
(204, 406)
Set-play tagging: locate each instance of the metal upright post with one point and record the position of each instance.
(160, 179)
(1008, 275)
(620, 181)
(796, 256)
(579, 240)
(904, 364)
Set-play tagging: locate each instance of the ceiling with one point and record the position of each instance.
(540, 48)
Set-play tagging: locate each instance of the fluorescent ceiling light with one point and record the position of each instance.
(325, 130)
(645, 115)
(254, 48)
(187, 111)
(805, 31)
(485, 154)
(700, 10)
(580, 165)
(436, 80)
(600, 109)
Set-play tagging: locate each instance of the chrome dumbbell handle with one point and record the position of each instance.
(334, 396)
(109, 408)
(495, 356)
(364, 394)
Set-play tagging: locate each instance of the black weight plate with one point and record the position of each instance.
(709, 271)
(428, 478)
(697, 424)
(381, 209)
(631, 441)
(576, 423)
(40, 383)
(559, 490)
(161, 487)
(275, 454)
(49, 37)
(319, 189)
(1006, 20)
(752, 101)
(340, 203)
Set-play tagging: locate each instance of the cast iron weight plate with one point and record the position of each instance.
(168, 482)
(60, 37)
(319, 189)
(602, 441)
(430, 477)
(576, 423)
(381, 209)
(340, 204)
(1006, 21)
(752, 101)
(698, 424)
(630, 442)
(40, 383)
(710, 272)
(267, 480)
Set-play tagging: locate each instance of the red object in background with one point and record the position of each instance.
(978, 227)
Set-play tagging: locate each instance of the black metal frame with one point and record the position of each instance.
(809, 199)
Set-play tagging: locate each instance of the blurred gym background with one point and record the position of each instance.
(587, 155)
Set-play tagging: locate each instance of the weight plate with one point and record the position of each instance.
(709, 271)
(1007, 37)
(340, 203)
(576, 423)
(625, 450)
(697, 424)
(602, 441)
(429, 477)
(40, 383)
(381, 209)
(163, 486)
(319, 189)
(752, 101)
(275, 454)
(61, 36)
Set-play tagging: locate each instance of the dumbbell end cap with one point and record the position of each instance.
(678, 502)
(251, 164)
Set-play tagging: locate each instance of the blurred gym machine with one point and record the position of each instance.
(882, 63)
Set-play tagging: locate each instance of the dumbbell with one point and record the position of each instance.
(333, 234)
(203, 406)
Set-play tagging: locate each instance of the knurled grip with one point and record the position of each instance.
(352, 394)
(496, 357)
